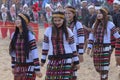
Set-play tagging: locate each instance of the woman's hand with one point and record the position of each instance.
(75, 66)
(88, 50)
(81, 59)
(13, 71)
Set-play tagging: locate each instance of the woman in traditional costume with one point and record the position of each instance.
(100, 41)
(23, 51)
(77, 29)
(60, 47)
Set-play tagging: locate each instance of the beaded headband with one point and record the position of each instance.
(58, 15)
(24, 17)
(104, 10)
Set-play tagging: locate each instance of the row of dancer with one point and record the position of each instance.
(64, 46)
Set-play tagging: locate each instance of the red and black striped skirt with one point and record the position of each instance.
(101, 59)
(59, 69)
(24, 72)
(117, 47)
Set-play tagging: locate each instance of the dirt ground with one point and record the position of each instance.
(86, 72)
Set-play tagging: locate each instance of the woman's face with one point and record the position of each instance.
(18, 22)
(99, 15)
(58, 21)
(69, 15)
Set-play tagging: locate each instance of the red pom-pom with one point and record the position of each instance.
(35, 7)
(110, 1)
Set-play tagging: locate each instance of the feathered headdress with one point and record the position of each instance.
(36, 7)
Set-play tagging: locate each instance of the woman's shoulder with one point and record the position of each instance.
(31, 35)
(78, 24)
(49, 28)
(30, 32)
(48, 31)
(69, 31)
(110, 24)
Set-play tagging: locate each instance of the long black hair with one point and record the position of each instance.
(25, 37)
(64, 27)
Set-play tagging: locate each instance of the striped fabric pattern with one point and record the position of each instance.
(13, 62)
(107, 38)
(90, 43)
(69, 47)
(113, 30)
(102, 51)
(79, 36)
(25, 68)
(59, 69)
(45, 49)
(117, 47)
(59, 66)
(102, 59)
(57, 42)
(32, 44)
(33, 48)
(19, 49)
(113, 41)
(78, 31)
(99, 35)
(22, 73)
